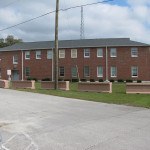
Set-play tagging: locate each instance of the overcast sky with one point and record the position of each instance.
(119, 18)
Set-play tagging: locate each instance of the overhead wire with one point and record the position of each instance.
(64, 9)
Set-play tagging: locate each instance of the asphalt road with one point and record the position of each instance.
(40, 122)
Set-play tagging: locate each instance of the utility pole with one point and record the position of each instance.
(56, 46)
(82, 24)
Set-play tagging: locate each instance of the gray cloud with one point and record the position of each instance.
(100, 21)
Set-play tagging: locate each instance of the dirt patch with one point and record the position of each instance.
(3, 124)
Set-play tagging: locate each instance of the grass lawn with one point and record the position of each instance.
(117, 97)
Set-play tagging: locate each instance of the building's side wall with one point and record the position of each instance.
(42, 68)
(39, 68)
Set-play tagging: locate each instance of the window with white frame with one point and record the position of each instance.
(15, 59)
(134, 71)
(38, 54)
(27, 71)
(73, 53)
(99, 71)
(62, 53)
(113, 71)
(49, 54)
(86, 71)
(134, 52)
(113, 52)
(86, 53)
(61, 71)
(27, 54)
(99, 52)
(74, 71)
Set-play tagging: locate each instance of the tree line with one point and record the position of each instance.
(9, 40)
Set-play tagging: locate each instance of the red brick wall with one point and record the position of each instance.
(42, 68)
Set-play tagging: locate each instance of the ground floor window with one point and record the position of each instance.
(86, 71)
(99, 71)
(27, 71)
(61, 71)
(134, 71)
(0, 72)
(74, 71)
(113, 71)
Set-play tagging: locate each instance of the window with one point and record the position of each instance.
(61, 71)
(113, 71)
(134, 71)
(86, 53)
(74, 53)
(49, 54)
(62, 53)
(27, 71)
(86, 71)
(15, 59)
(27, 54)
(74, 71)
(38, 54)
(0, 72)
(113, 52)
(99, 52)
(134, 52)
(99, 71)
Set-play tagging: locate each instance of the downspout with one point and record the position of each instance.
(22, 66)
(52, 65)
(106, 64)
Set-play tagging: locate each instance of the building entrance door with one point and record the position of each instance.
(15, 74)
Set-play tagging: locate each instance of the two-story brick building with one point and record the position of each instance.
(114, 58)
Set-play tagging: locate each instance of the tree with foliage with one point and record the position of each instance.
(9, 40)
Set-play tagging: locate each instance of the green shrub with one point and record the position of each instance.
(129, 80)
(120, 80)
(139, 81)
(75, 80)
(101, 80)
(92, 80)
(83, 80)
(60, 79)
(112, 80)
(32, 78)
(46, 79)
(67, 80)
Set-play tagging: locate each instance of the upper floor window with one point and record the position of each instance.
(99, 71)
(15, 59)
(86, 53)
(27, 54)
(73, 53)
(99, 52)
(134, 52)
(113, 71)
(62, 53)
(86, 71)
(61, 71)
(49, 54)
(113, 52)
(38, 54)
(134, 71)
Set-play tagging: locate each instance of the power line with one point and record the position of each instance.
(73, 7)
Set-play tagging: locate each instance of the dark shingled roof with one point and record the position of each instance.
(84, 43)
